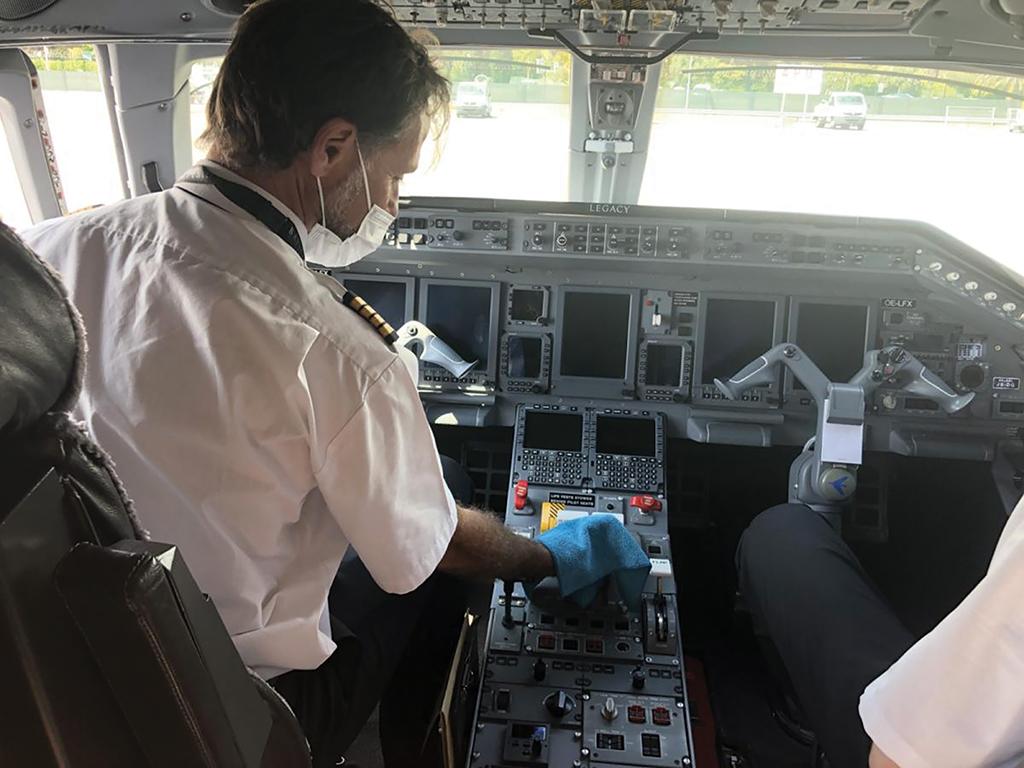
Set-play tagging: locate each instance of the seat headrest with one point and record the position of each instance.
(42, 339)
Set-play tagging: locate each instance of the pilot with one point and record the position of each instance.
(262, 420)
(953, 699)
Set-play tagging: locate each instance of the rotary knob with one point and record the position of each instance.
(972, 376)
(639, 678)
(559, 703)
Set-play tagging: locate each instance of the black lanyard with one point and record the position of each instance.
(253, 203)
(265, 212)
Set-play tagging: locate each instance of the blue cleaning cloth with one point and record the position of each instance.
(589, 549)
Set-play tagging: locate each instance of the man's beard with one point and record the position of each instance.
(338, 200)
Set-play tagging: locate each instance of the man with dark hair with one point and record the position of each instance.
(261, 423)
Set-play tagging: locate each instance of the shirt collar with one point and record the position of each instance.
(225, 173)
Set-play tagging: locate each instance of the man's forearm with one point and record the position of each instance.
(482, 547)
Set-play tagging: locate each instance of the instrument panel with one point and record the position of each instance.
(620, 306)
(605, 685)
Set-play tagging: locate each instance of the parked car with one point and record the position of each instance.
(842, 109)
(472, 99)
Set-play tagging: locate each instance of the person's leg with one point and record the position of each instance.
(399, 643)
(809, 595)
(372, 629)
(409, 705)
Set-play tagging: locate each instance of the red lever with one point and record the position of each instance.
(645, 503)
(521, 494)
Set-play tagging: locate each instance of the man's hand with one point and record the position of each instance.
(587, 550)
(878, 759)
(483, 548)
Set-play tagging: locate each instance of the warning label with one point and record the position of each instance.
(685, 298)
(571, 499)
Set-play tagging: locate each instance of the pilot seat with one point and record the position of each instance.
(109, 653)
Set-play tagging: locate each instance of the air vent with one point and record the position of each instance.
(228, 7)
(13, 10)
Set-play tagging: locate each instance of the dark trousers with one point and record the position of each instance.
(829, 625)
(398, 657)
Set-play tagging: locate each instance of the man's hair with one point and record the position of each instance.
(295, 64)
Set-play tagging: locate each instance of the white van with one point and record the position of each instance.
(843, 109)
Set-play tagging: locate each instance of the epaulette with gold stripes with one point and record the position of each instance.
(370, 315)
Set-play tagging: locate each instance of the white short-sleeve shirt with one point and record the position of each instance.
(259, 424)
(956, 698)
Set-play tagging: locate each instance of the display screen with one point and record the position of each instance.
(595, 334)
(546, 431)
(528, 730)
(927, 342)
(461, 316)
(833, 336)
(524, 357)
(736, 332)
(664, 365)
(527, 305)
(387, 297)
(626, 436)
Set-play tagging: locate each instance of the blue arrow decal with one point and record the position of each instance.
(840, 485)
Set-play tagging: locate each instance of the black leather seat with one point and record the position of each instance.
(109, 653)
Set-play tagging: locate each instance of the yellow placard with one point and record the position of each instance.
(549, 514)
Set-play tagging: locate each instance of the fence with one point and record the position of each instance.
(69, 81)
(974, 111)
(878, 106)
(970, 115)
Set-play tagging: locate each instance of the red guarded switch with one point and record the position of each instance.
(645, 503)
(521, 494)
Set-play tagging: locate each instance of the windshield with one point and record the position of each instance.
(727, 135)
(519, 147)
(747, 134)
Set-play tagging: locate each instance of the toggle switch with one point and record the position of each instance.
(536, 747)
(609, 711)
(521, 494)
(540, 670)
(502, 699)
(645, 503)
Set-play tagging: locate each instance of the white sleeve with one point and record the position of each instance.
(956, 698)
(381, 478)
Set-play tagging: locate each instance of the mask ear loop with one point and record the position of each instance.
(323, 211)
(366, 179)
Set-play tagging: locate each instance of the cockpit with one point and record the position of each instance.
(671, 264)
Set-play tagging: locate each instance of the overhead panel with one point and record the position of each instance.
(666, 15)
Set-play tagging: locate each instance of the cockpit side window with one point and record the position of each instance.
(13, 208)
(204, 72)
(79, 123)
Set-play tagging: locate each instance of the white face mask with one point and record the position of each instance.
(324, 247)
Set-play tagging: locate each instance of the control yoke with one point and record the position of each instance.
(434, 349)
(826, 475)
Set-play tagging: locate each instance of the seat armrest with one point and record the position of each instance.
(166, 655)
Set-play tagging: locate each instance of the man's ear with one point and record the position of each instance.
(333, 147)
